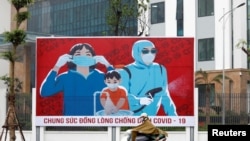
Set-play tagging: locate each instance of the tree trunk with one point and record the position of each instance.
(11, 121)
(11, 99)
(245, 50)
(118, 17)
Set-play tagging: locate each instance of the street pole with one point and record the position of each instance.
(223, 69)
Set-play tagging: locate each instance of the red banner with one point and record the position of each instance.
(59, 95)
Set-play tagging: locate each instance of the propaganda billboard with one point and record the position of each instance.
(111, 81)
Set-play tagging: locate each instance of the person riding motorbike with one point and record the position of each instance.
(148, 129)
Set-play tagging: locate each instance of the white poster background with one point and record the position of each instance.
(112, 120)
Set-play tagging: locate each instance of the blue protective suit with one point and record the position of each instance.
(78, 91)
(144, 78)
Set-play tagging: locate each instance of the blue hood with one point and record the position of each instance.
(137, 49)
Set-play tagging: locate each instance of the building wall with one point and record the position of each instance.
(73, 18)
(239, 32)
(3, 106)
(212, 26)
(3, 71)
(5, 15)
(227, 27)
(169, 27)
(235, 28)
(4, 26)
(204, 29)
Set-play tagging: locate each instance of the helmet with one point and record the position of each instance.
(144, 115)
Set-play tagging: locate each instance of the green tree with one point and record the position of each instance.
(120, 12)
(16, 37)
(202, 77)
(241, 44)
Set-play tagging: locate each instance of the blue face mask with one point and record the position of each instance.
(84, 61)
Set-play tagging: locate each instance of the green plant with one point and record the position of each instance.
(7, 81)
(241, 44)
(120, 13)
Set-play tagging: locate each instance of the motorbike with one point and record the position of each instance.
(146, 125)
(143, 137)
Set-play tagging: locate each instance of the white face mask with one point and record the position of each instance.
(148, 58)
(112, 86)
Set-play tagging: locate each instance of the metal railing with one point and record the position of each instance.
(23, 105)
(237, 109)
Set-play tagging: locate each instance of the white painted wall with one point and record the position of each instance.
(3, 71)
(168, 29)
(2, 106)
(4, 26)
(240, 28)
(210, 26)
(239, 32)
(5, 9)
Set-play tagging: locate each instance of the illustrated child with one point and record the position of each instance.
(113, 97)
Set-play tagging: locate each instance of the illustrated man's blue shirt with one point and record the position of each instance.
(78, 91)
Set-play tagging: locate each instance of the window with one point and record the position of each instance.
(202, 94)
(179, 27)
(179, 17)
(206, 49)
(157, 13)
(205, 8)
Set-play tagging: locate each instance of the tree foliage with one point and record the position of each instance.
(16, 37)
(121, 12)
(7, 81)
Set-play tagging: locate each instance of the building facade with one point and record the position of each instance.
(217, 28)
(216, 25)
(74, 18)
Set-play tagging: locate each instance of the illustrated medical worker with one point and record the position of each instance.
(114, 97)
(79, 83)
(147, 82)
